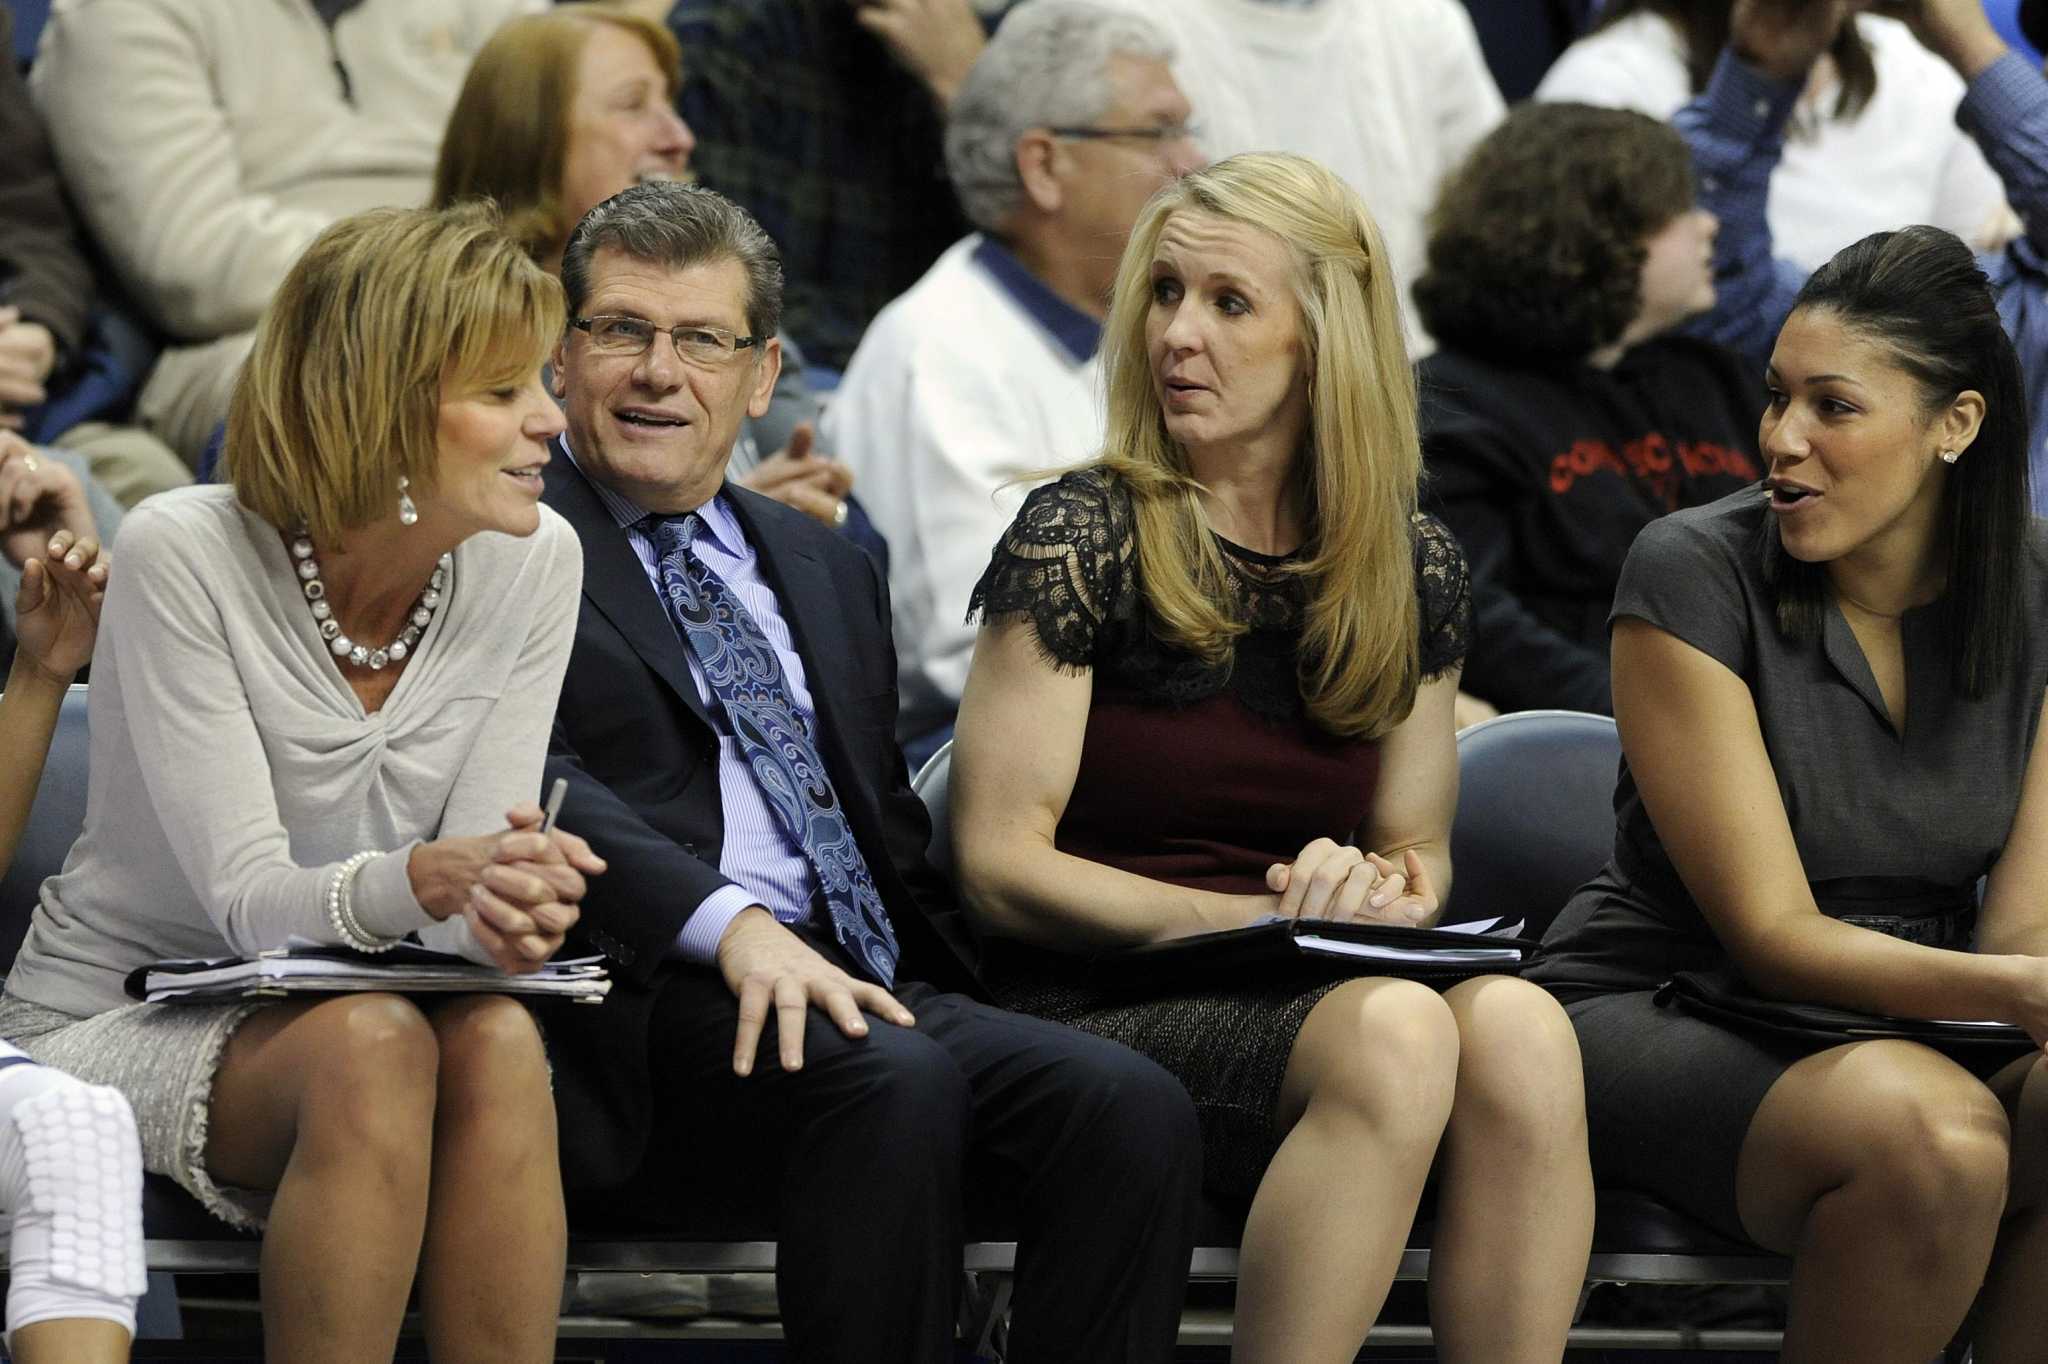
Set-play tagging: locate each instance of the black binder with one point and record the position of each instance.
(1726, 999)
(1309, 950)
(310, 968)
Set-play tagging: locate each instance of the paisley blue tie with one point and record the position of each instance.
(743, 672)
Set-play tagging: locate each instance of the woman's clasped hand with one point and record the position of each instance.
(518, 889)
(1339, 882)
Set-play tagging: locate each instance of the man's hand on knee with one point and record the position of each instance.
(765, 965)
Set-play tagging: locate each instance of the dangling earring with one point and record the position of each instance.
(1951, 456)
(407, 512)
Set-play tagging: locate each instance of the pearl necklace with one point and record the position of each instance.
(330, 629)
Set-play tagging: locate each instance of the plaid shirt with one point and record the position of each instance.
(805, 120)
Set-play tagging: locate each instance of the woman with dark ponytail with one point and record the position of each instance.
(1829, 706)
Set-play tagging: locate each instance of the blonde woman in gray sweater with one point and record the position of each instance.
(319, 711)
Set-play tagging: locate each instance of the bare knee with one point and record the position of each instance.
(1880, 1139)
(377, 1069)
(1385, 1051)
(1940, 1159)
(1520, 1082)
(492, 1062)
(488, 1039)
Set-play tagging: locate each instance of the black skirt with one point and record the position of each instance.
(1229, 1047)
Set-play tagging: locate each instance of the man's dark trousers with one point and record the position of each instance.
(872, 1155)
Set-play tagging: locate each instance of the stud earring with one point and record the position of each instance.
(407, 512)
(1951, 456)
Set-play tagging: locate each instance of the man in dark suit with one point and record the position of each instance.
(793, 1031)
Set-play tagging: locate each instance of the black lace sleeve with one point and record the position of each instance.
(1064, 564)
(1443, 588)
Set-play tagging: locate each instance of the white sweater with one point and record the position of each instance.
(233, 766)
(955, 389)
(208, 141)
(1901, 160)
(1390, 94)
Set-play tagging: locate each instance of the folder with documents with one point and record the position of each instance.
(1320, 947)
(316, 968)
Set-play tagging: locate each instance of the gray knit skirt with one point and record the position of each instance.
(162, 1057)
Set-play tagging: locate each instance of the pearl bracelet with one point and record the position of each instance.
(341, 912)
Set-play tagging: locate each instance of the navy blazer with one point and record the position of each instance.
(641, 758)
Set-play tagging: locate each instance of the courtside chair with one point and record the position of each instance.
(1535, 821)
(1535, 814)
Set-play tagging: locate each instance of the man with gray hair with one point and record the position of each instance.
(795, 1044)
(986, 369)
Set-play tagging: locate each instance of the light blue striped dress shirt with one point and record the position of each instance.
(766, 868)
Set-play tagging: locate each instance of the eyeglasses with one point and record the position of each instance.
(1157, 134)
(696, 345)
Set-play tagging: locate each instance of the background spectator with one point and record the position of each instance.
(559, 112)
(1559, 416)
(1390, 94)
(64, 367)
(1736, 129)
(206, 142)
(43, 491)
(29, 18)
(1872, 143)
(1521, 38)
(985, 371)
(822, 118)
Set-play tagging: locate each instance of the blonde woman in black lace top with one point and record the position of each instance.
(1214, 683)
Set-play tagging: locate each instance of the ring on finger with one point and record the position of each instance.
(29, 463)
(839, 515)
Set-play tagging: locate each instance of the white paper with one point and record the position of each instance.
(1442, 956)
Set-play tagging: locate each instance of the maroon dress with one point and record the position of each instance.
(1194, 774)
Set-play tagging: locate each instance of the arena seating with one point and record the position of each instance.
(1534, 819)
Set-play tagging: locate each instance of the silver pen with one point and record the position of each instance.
(554, 805)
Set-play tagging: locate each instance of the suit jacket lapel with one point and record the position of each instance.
(616, 584)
